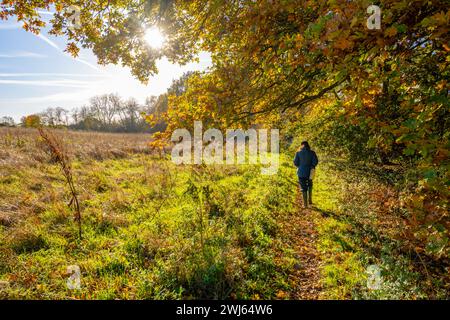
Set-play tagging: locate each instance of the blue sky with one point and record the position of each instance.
(35, 74)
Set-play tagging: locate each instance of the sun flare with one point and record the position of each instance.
(154, 37)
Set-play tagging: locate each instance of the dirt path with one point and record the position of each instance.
(302, 236)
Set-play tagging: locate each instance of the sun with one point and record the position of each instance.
(154, 37)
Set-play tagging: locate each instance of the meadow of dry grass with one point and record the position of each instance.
(151, 229)
(155, 230)
(22, 149)
(22, 144)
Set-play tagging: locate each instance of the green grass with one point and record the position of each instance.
(205, 232)
(153, 230)
(356, 231)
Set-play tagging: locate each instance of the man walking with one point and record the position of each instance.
(306, 161)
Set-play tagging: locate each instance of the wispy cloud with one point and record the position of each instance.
(21, 54)
(38, 74)
(48, 41)
(48, 13)
(10, 26)
(68, 96)
(92, 66)
(49, 83)
(54, 45)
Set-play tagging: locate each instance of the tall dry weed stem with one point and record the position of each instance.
(59, 155)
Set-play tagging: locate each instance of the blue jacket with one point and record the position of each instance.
(305, 160)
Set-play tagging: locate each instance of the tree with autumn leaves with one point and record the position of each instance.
(381, 95)
(31, 121)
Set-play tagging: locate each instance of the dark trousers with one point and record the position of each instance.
(306, 184)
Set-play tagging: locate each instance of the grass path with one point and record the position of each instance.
(301, 230)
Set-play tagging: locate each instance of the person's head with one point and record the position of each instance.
(305, 145)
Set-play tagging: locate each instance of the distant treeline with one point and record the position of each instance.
(107, 112)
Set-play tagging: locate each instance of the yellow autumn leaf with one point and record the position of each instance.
(343, 43)
(391, 32)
